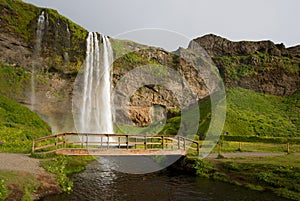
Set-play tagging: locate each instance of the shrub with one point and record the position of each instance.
(3, 190)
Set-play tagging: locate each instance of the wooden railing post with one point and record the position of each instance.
(145, 142)
(107, 141)
(127, 142)
(119, 142)
(64, 141)
(135, 143)
(86, 141)
(178, 141)
(184, 144)
(162, 142)
(33, 142)
(55, 142)
(219, 148)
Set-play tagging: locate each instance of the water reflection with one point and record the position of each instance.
(100, 182)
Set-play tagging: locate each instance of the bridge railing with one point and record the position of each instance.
(112, 141)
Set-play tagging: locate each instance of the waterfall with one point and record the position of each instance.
(36, 53)
(95, 109)
(67, 43)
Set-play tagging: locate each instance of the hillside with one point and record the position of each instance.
(251, 113)
(18, 126)
(256, 114)
(263, 67)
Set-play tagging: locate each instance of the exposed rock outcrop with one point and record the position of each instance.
(260, 66)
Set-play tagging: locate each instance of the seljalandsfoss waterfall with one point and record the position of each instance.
(92, 95)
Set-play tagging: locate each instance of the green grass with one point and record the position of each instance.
(256, 114)
(228, 146)
(251, 115)
(22, 181)
(123, 47)
(18, 126)
(279, 174)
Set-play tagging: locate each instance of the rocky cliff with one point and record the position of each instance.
(260, 66)
(59, 57)
(55, 62)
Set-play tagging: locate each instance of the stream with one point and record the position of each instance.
(100, 182)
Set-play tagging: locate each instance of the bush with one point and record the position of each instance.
(204, 168)
(3, 190)
(57, 166)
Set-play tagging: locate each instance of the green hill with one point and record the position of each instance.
(251, 114)
(18, 126)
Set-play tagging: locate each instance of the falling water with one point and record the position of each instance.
(67, 43)
(95, 114)
(37, 49)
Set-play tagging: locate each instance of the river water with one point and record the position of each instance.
(99, 182)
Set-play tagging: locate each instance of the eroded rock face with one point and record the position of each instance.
(158, 78)
(218, 46)
(260, 66)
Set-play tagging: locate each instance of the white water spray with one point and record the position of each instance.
(95, 110)
(37, 49)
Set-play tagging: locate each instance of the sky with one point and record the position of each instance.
(173, 23)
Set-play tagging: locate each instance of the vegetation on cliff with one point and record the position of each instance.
(63, 41)
(261, 66)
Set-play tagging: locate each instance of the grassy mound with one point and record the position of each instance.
(18, 126)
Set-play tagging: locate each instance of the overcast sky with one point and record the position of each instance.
(172, 23)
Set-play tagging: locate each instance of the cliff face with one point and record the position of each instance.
(260, 66)
(56, 60)
(59, 57)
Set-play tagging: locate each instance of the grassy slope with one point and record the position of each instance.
(18, 126)
(252, 114)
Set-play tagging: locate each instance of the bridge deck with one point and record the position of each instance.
(118, 152)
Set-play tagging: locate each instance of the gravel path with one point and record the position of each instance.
(246, 154)
(20, 162)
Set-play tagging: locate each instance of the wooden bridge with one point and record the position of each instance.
(113, 144)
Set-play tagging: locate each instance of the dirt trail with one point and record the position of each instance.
(23, 163)
(246, 154)
(20, 162)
